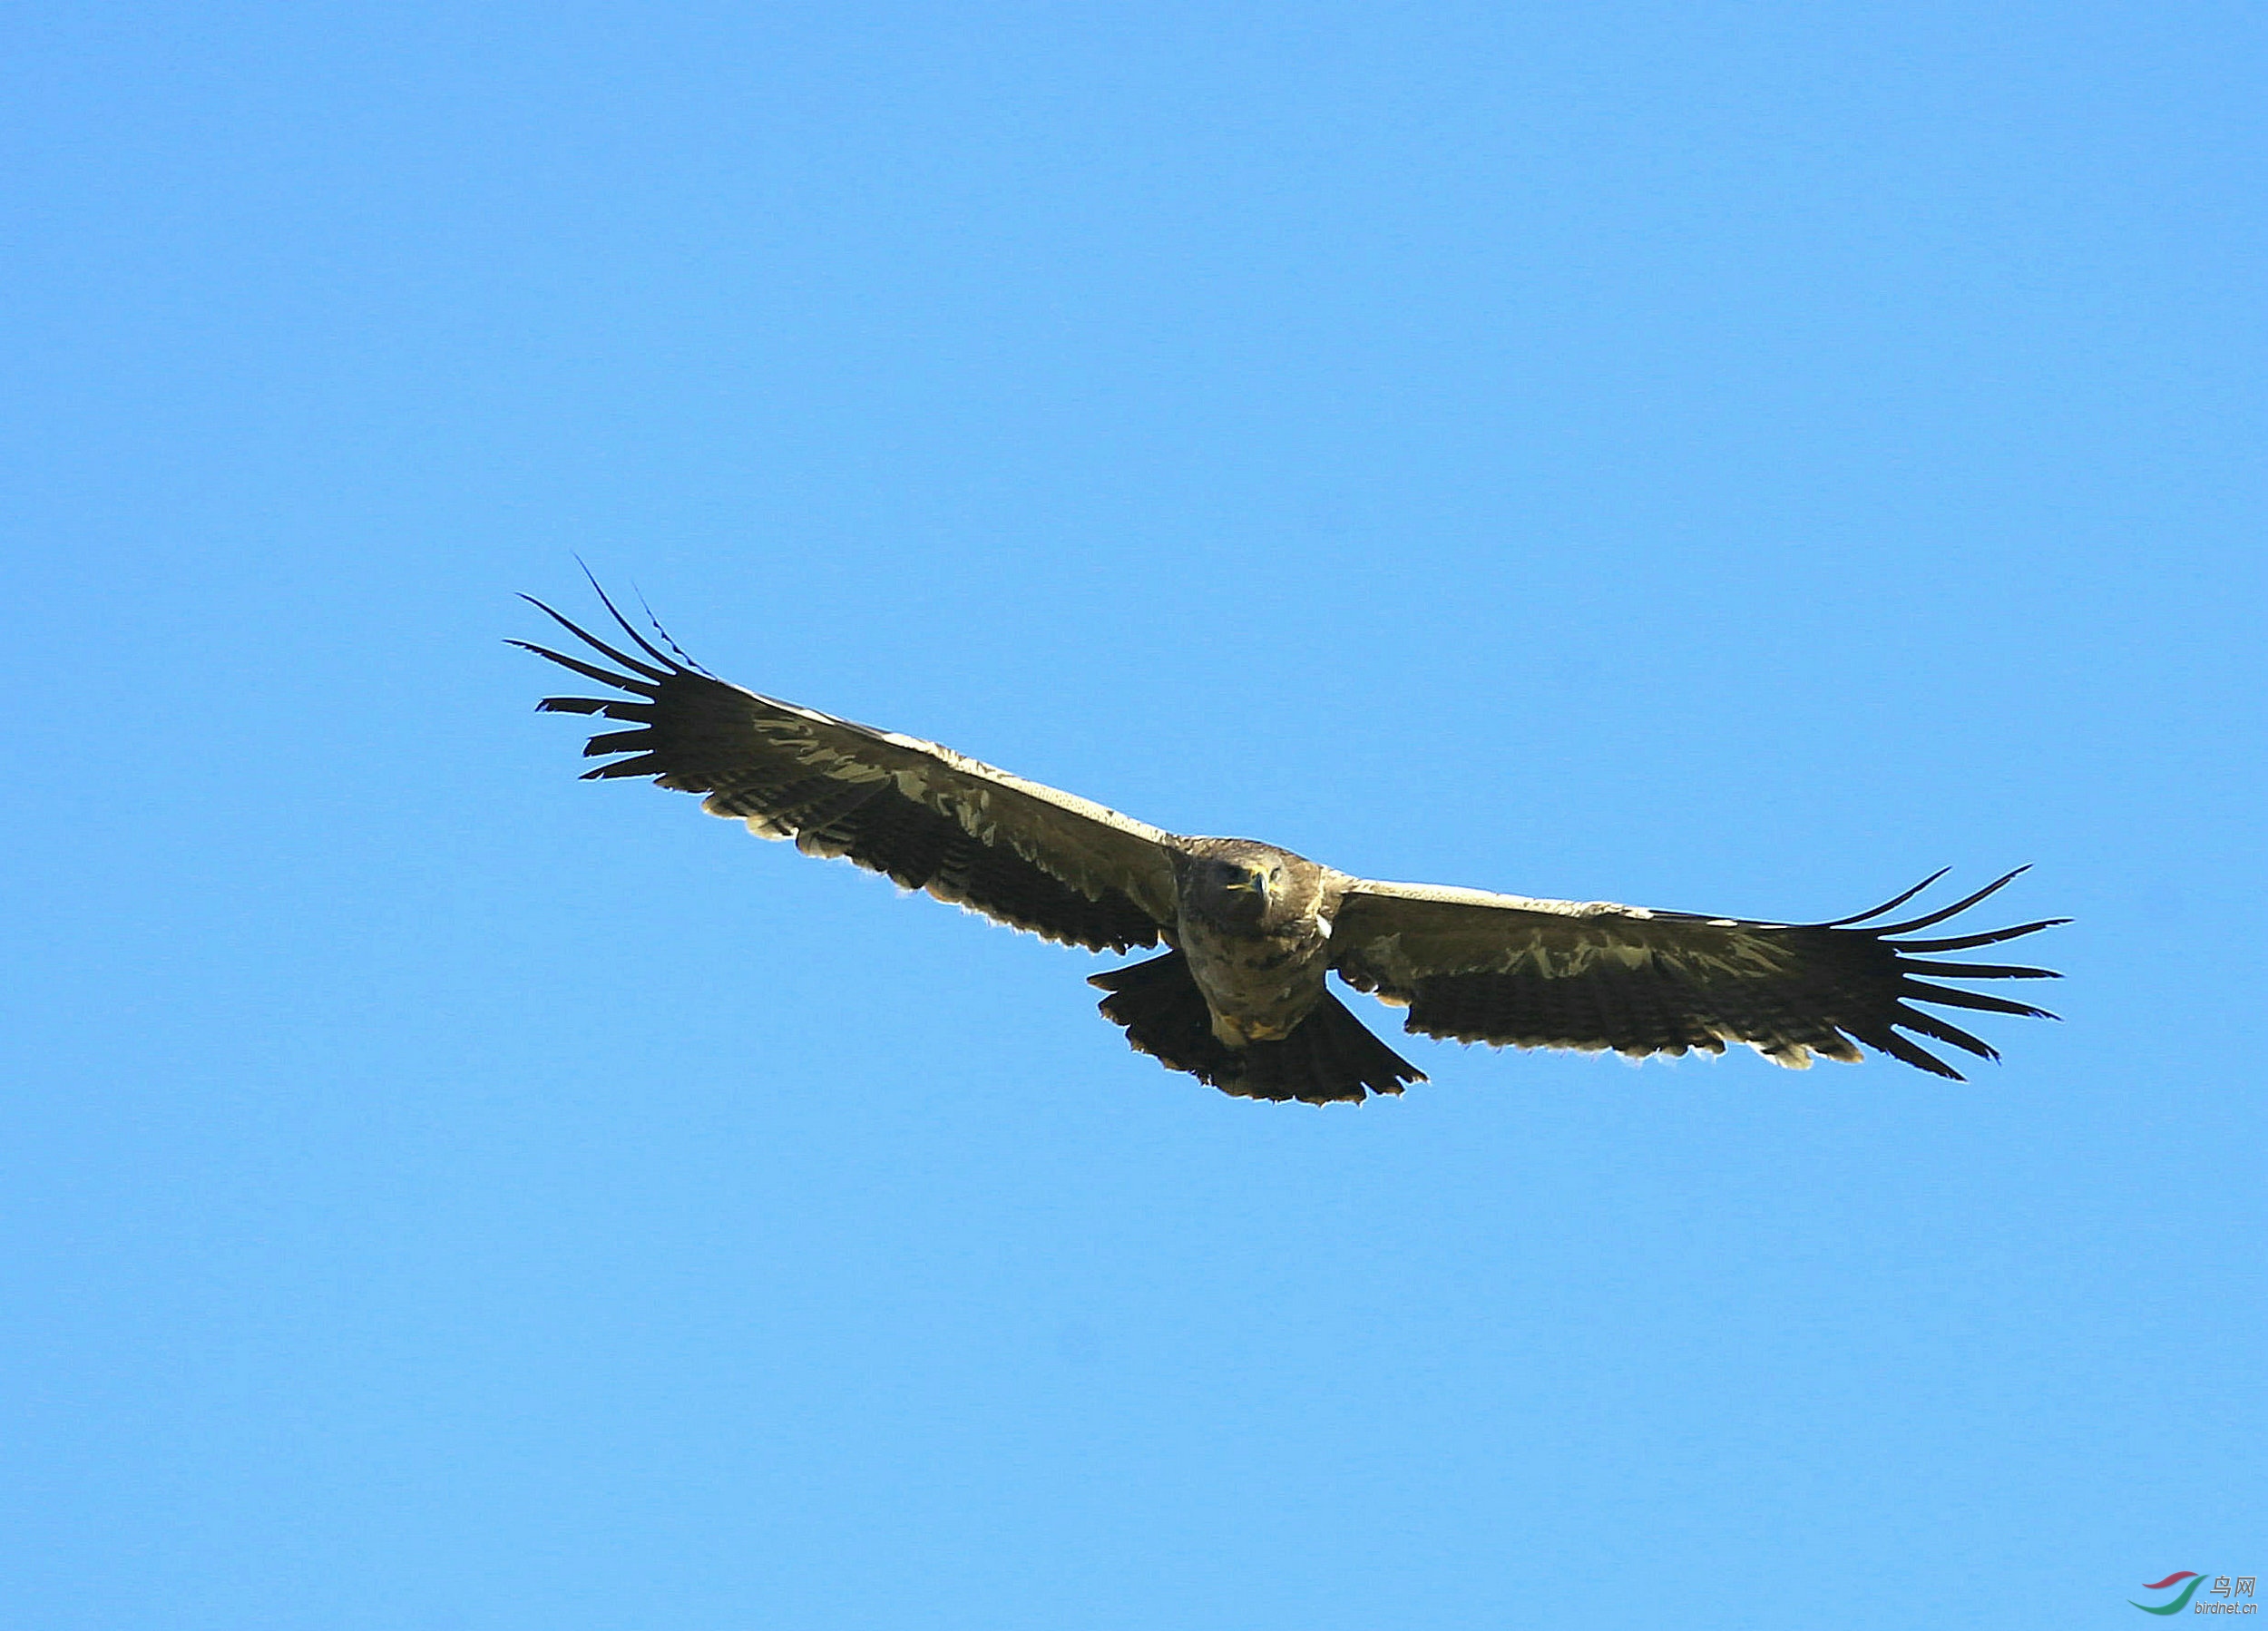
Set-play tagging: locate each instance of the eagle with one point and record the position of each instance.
(1249, 930)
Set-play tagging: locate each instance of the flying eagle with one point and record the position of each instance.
(1238, 999)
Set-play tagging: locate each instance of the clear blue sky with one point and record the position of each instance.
(1729, 457)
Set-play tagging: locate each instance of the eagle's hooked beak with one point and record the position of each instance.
(1254, 882)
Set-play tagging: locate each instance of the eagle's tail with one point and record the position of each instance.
(1331, 1055)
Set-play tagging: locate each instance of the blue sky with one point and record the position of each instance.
(1736, 458)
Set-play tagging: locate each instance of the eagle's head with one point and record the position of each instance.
(1243, 884)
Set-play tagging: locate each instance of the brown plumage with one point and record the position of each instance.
(1239, 998)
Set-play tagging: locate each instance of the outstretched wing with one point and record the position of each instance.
(1496, 968)
(1061, 866)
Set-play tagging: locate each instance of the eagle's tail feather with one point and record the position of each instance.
(1331, 1056)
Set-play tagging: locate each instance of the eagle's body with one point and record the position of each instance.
(1252, 921)
(1251, 931)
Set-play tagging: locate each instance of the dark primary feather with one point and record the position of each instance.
(927, 818)
(1552, 974)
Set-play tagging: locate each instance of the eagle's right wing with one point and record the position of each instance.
(1028, 855)
(1497, 967)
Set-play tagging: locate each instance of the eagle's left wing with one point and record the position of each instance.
(1497, 967)
(1031, 857)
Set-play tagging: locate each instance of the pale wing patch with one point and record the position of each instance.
(1570, 949)
(990, 804)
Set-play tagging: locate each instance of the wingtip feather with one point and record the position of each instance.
(1957, 908)
(1890, 905)
(644, 644)
(595, 643)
